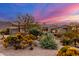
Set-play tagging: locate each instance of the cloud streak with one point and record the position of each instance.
(43, 12)
(58, 15)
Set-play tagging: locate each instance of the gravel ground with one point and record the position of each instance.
(26, 52)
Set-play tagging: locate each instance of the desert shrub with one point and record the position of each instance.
(35, 32)
(9, 41)
(6, 31)
(47, 41)
(70, 38)
(19, 41)
(66, 41)
(68, 51)
(2, 32)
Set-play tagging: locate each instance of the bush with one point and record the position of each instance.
(35, 32)
(12, 41)
(66, 41)
(47, 41)
(6, 32)
(70, 38)
(19, 42)
(68, 51)
(9, 41)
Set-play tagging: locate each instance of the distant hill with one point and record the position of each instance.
(5, 24)
(61, 24)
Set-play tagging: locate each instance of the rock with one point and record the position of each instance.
(36, 43)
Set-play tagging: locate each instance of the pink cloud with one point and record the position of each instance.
(69, 10)
(38, 11)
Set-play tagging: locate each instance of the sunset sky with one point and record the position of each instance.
(49, 13)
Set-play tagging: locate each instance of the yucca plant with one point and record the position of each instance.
(47, 41)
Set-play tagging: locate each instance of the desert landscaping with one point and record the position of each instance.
(32, 32)
(26, 37)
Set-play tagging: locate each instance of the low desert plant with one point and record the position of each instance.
(35, 32)
(68, 51)
(47, 41)
(66, 41)
(6, 31)
(19, 41)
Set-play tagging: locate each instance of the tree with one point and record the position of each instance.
(26, 21)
